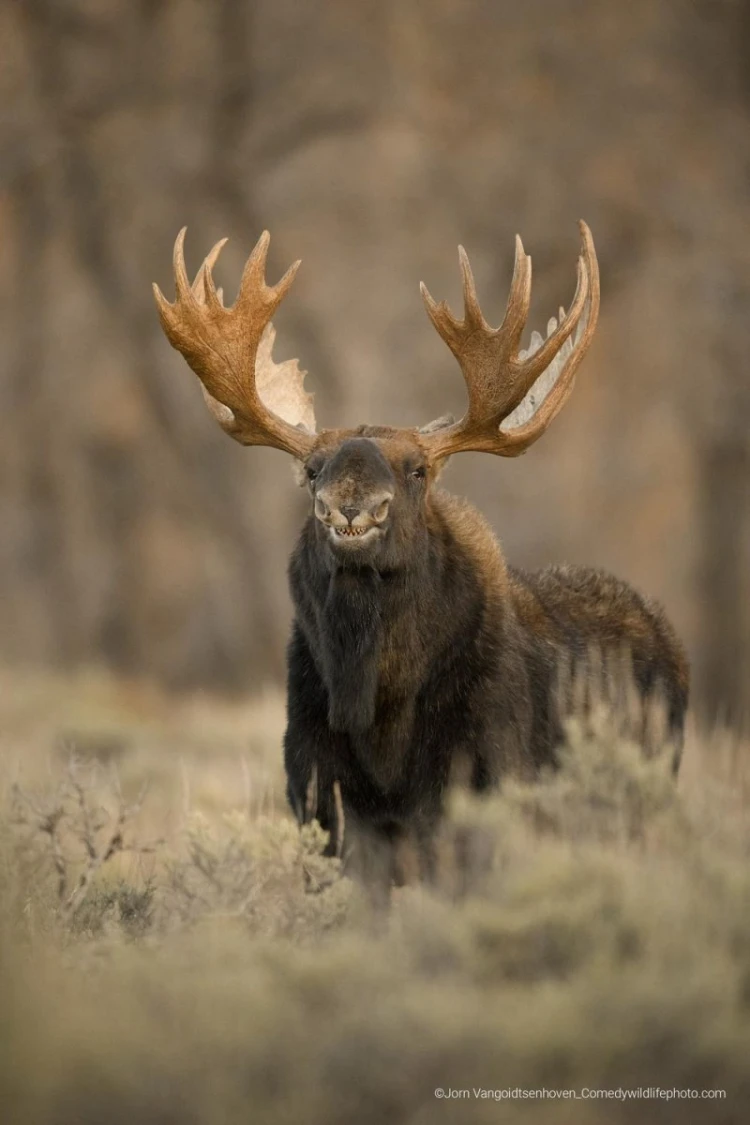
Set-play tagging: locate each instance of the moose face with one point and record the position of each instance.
(368, 489)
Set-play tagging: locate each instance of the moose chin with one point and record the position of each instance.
(417, 654)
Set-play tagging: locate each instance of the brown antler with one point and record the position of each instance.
(254, 400)
(513, 395)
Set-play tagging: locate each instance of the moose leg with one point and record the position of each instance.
(426, 831)
(369, 857)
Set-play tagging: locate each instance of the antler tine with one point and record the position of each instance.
(254, 276)
(212, 294)
(519, 298)
(584, 324)
(182, 285)
(223, 346)
(502, 382)
(447, 326)
(472, 312)
(205, 292)
(203, 288)
(539, 360)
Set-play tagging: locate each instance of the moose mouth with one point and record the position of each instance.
(352, 535)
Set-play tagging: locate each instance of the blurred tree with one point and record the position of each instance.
(723, 445)
(369, 138)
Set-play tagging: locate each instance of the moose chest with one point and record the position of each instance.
(367, 641)
(369, 644)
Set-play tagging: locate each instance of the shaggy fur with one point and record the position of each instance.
(416, 655)
(424, 658)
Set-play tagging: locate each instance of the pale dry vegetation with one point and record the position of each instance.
(174, 950)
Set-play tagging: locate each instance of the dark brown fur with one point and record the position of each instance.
(421, 656)
(415, 654)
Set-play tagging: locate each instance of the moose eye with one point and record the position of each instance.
(311, 474)
(419, 473)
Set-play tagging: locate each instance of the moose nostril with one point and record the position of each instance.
(350, 513)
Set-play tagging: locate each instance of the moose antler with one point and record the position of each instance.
(254, 400)
(513, 395)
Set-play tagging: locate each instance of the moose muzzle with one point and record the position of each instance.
(351, 521)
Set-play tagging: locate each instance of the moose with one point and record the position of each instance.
(416, 651)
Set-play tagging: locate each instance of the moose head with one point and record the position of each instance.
(369, 485)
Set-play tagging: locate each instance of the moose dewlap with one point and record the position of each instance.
(416, 652)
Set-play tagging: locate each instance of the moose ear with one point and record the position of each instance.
(298, 472)
(438, 424)
(432, 427)
(438, 467)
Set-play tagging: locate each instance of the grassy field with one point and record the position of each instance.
(173, 951)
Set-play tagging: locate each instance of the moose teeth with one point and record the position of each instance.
(349, 531)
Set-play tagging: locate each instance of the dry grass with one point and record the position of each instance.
(212, 967)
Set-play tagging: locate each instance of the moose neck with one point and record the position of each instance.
(352, 620)
(359, 611)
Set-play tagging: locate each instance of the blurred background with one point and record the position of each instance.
(370, 138)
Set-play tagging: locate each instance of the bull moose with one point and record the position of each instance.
(414, 646)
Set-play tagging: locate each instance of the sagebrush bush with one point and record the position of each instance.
(606, 788)
(591, 930)
(268, 872)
